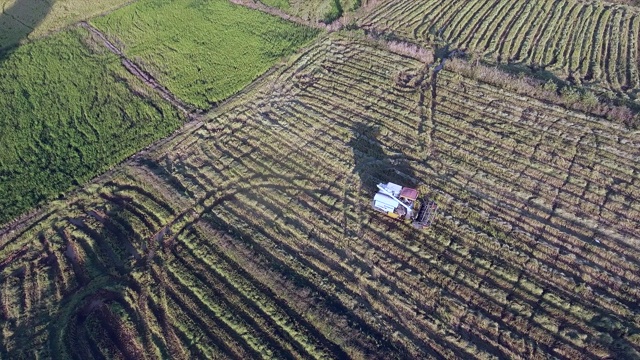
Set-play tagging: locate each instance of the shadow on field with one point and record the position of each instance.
(18, 20)
(372, 164)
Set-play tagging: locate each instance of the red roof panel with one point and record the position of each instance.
(409, 193)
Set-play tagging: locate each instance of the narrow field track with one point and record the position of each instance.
(251, 235)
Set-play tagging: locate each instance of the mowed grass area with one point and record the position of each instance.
(35, 18)
(202, 51)
(68, 113)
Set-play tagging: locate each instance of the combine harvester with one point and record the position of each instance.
(398, 202)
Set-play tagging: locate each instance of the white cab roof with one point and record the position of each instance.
(384, 202)
(393, 188)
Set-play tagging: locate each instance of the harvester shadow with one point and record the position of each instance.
(17, 21)
(373, 164)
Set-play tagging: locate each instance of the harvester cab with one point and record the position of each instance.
(399, 203)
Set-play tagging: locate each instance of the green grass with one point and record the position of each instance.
(67, 114)
(325, 11)
(280, 4)
(335, 12)
(29, 19)
(202, 51)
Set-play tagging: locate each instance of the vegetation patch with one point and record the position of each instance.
(28, 19)
(202, 51)
(326, 11)
(66, 115)
(280, 4)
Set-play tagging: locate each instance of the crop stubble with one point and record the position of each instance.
(251, 235)
(590, 42)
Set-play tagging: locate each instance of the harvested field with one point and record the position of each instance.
(593, 43)
(251, 236)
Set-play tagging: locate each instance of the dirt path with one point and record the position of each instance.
(189, 111)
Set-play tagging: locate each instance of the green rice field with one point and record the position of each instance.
(203, 51)
(66, 115)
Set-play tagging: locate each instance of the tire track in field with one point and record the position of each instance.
(189, 111)
(431, 124)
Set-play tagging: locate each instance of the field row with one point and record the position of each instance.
(566, 172)
(251, 235)
(587, 41)
(268, 143)
(26, 20)
(63, 269)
